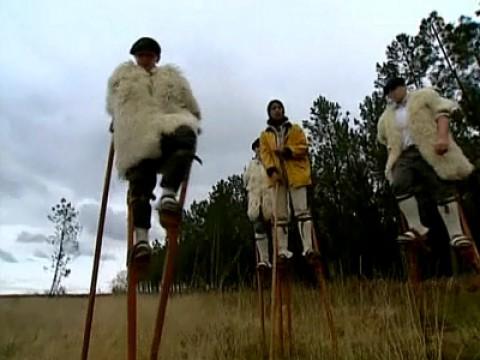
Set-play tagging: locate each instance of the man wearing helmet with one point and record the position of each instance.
(423, 157)
(259, 204)
(284, 154)
(155, 123)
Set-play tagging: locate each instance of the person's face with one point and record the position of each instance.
(276, 112)
(146, 59)
(257, 151)
(398, 94)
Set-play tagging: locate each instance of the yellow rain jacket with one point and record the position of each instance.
(297, 166)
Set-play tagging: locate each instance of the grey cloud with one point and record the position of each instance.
(15, 180)
(115, 221)
(90, 252)
(7, 257)
(40, 254)
(8, 186)
(108, 257)
(26, 237)
(61, 148)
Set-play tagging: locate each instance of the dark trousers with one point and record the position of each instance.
(412, 175)
(178, 150)
(259, 227)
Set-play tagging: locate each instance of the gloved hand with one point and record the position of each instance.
(284, 153)
(274, 175)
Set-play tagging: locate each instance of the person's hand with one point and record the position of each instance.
(284, 153)
(274, 175)
(441, 146)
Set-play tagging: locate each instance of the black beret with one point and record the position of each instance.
(145, 44)
(392, 84)
(255, 144)
(273, 102)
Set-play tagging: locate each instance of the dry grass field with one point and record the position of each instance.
(373, 319)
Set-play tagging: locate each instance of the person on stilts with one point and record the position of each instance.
(284, 154)
(424, 158)
(259, 204)
(155, 124)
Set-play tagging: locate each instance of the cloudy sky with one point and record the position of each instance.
(56, 56)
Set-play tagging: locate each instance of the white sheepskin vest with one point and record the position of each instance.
(424, 107)
(144, 106)
(259, 195)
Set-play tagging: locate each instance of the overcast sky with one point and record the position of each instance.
(55, 59)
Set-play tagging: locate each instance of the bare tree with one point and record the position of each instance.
(64, 242)
(119, 283)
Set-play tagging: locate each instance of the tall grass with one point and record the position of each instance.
(373, 320)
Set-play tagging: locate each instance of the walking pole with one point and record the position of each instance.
(289, 315)
(281, 306)
(466, 228)
(132, 280)
(325, 295)
(260, 276)
(273, 301)
(172, 226)
(96, 258)
(285, 311)
(410, 256)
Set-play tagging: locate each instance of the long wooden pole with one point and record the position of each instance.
(132, 280)
(173, 231)
(273, 301)
(98, 253)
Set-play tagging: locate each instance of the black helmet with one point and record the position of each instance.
(392, 84)
(256, 144)
(273, 102)
(146, 44)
